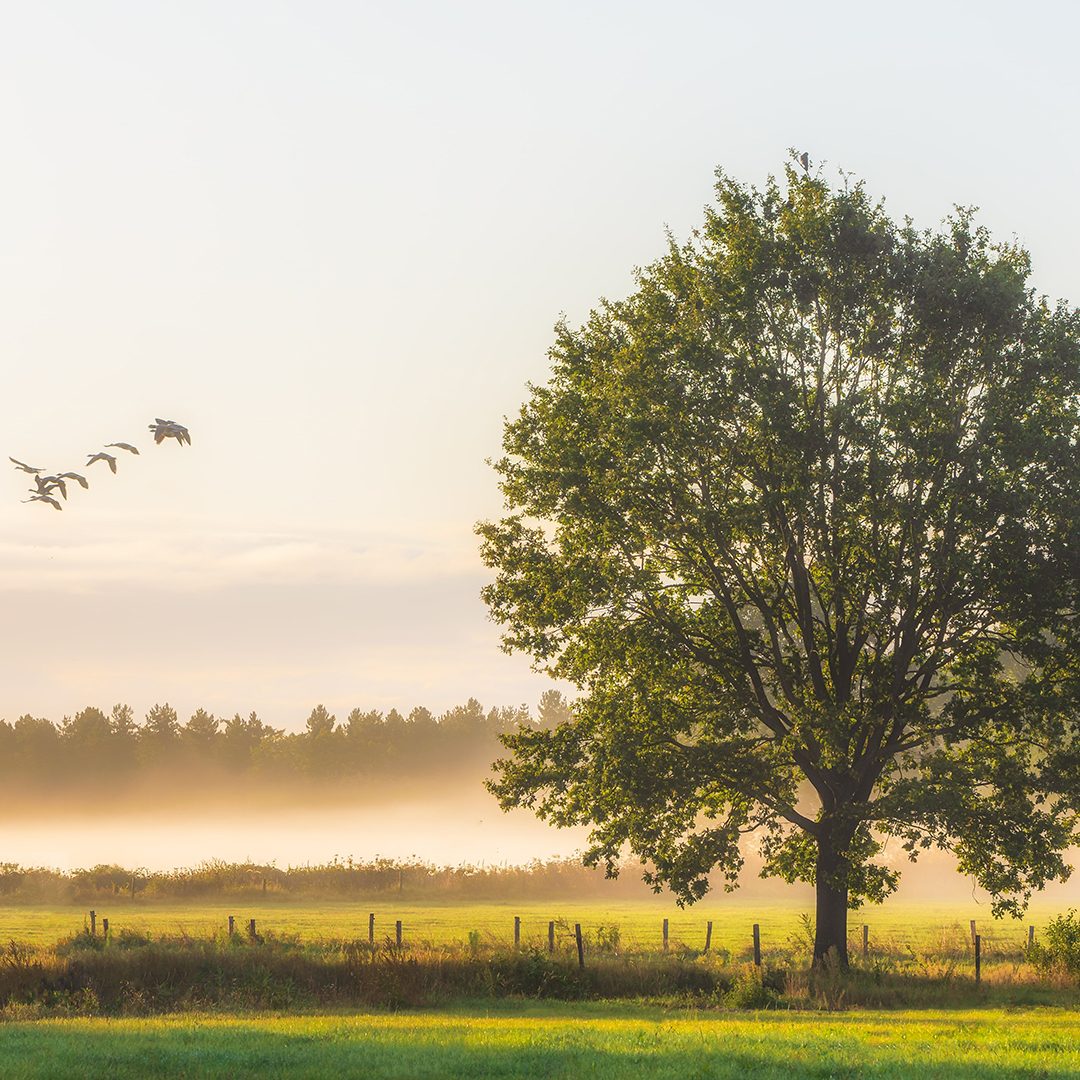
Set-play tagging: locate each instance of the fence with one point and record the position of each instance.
(605, 938)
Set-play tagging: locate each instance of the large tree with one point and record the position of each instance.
(799, 519)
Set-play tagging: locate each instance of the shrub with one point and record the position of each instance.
(1059, 954)
(751, 992)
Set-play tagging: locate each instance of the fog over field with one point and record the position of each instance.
(440, 823)
(443, 827)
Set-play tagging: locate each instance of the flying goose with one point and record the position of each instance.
(44, 498)
(102, 456)
(47, 484)
(169, 429)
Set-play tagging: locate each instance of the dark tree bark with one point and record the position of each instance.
(830, 934)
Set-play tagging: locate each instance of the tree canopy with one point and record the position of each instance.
(92, 753)
(799, 517)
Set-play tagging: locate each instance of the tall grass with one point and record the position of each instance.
(136, 973)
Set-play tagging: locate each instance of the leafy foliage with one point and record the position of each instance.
(1058, 953)
(799, 518)
(750, 992)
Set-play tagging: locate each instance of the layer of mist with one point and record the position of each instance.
(442, 825)
(97, 790)
(448, 824)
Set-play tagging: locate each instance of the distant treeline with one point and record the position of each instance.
(340, 879)
(94, 746)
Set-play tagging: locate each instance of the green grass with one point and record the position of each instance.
(516, 1036)
(525, 1040)
(892, 927)
(185, 968)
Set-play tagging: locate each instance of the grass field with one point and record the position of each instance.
(526, 1040)
(640, 924)
(179, 958)
(675, 1032)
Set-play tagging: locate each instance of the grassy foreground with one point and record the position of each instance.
(526, 1040)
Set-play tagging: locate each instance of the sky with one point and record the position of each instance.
(333, 239)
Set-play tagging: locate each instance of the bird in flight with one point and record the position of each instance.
(169, 429)
(102, 456)
(25, 468)
(45, 499)
(46, 485)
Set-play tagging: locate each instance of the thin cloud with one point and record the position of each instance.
(212, 559)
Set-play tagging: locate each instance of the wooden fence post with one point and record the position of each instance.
(551, 937)
(865, 940)
(105, 929)
(665, 935)
(371, 928)
(580, 946)
(251, 929)
(399, 933)
(232, 928)
(93, 924)
(517, 932)
(973, 935)
(1031, 936)
(708, 936)
(757, 945)
(978, 959)
(132, 886)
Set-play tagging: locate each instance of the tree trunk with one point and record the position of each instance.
(832, 905)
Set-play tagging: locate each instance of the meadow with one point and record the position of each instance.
(184, 956)
(639, 923)
(524, 1039)
(171, 994)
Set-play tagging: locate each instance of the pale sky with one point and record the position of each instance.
(333, 239)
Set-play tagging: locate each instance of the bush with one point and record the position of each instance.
(1060, 953)
(751, 992)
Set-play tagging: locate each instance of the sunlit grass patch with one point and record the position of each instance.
(894, 928)
(529, 1040)
(136, 973)
(180, 958)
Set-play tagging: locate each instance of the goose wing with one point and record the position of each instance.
(169, 429)
(46, 499)
(48, 484)
(102, 456)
